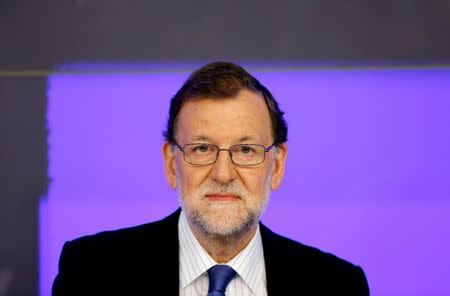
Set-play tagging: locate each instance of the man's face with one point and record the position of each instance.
(223, 198)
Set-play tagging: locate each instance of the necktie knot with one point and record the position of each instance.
(219, 278)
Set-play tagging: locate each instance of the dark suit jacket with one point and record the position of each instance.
(143, 260)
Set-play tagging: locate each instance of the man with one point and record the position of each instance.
(224, 152)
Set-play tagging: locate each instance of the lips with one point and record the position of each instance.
(222, 196)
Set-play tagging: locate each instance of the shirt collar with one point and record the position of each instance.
(194, 260)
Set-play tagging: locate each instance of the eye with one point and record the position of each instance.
(202, 149)
(246, 149)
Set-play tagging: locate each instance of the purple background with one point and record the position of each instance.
(367, 177)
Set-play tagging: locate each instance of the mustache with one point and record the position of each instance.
(232, 188)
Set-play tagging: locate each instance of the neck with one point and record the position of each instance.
(223, 248)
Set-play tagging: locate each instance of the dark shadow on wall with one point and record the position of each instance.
(23, 181)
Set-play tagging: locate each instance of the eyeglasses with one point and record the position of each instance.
(240, 154)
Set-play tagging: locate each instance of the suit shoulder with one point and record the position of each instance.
(116, 235)
(130, 237)
(295, 251)
(115, 256)
(322, 273)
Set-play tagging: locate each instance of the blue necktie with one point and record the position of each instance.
(219, 278)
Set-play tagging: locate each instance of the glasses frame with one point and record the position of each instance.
(230, 154)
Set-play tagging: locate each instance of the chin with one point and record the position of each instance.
(227, 219)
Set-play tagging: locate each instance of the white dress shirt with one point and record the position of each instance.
(195, 262)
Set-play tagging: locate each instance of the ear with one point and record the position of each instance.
(169, 164)
(278, 170)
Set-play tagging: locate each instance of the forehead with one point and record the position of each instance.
(245, 116)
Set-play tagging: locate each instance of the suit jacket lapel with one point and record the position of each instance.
(164, 260)
(273, 258)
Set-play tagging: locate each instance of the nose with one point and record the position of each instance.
(223, 170)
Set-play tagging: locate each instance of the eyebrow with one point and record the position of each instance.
(247, 138)
(201, 138)
(206, 138)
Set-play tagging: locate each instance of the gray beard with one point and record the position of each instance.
(232, 234)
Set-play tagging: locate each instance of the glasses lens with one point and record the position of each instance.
(200, 153)
(247, 154)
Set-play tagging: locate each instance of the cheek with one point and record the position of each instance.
(192, 178)
(256, 181)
